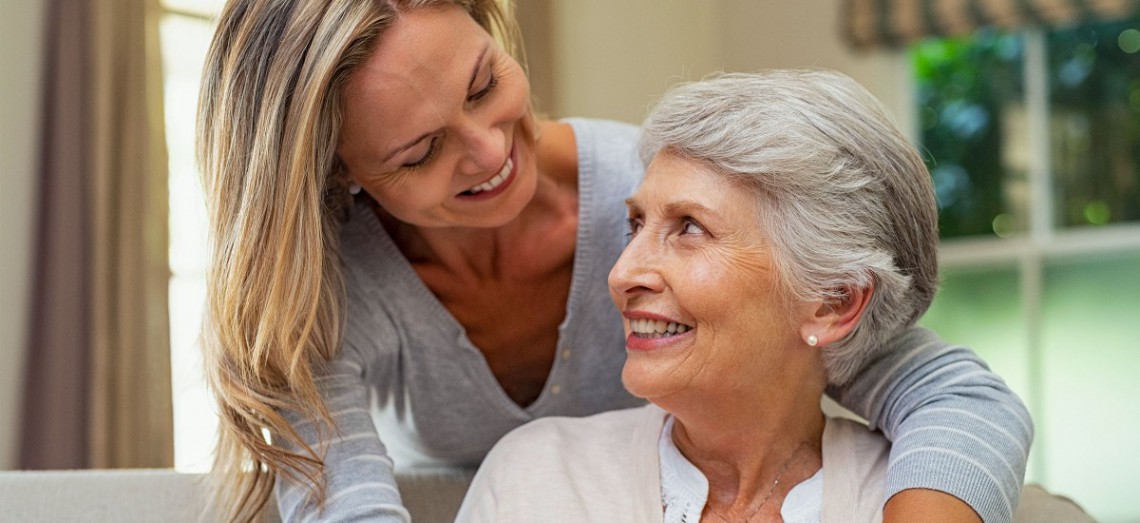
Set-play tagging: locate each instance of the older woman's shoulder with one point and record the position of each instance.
(564, 446)
(855, 462)
(571, 467)
(855, 435)
(571, 435)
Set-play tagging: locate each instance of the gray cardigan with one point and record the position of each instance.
(409, 389)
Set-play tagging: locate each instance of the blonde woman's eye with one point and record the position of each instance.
(491, 83)
(432, 148)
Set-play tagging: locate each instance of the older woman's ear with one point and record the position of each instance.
(832, 320)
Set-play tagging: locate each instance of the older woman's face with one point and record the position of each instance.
(696, 285)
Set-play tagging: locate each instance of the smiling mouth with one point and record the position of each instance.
(647, 328)
(495, 182)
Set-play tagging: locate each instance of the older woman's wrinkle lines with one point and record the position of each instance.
(699, 255)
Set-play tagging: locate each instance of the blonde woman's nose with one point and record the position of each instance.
(485, 148)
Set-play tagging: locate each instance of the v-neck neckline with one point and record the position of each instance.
(583, 264)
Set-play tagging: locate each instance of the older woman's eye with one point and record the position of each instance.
(634, 227)
(692, 227)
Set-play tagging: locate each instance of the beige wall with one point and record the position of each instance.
(20, 51)
(613, 58)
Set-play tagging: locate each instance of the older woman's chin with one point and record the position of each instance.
(633, 384)
(649, 380)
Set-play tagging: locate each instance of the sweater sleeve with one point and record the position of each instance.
(361, 481)
(954, 425)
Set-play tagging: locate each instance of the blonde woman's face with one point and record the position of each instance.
(433, 124)
(697, 287)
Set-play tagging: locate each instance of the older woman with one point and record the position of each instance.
(406, 266)
(784, 236)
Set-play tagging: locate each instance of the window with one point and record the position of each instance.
(185, 29)
(1033, 143)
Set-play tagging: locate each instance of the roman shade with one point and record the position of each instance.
(892, 23)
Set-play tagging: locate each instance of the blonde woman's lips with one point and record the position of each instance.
(497, 183)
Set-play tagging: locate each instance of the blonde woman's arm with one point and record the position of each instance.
(955, 428)
(361, 482)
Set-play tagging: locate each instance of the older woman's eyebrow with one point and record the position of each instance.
(678, 208)
(687, 208)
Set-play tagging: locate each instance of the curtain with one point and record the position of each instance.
(893, 23)
(535, 18)
(97, 390)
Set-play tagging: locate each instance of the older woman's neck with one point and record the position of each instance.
(744, 443)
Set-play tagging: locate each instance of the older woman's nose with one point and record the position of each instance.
(636, 271)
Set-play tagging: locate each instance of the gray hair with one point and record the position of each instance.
(844, 198)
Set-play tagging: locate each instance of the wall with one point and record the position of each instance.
(612, 59)
(20, 50)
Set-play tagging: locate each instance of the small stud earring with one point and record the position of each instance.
(812, 340)
(353, 188)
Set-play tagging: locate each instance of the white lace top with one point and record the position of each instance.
(685, 490)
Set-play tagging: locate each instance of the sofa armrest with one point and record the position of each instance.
(130, 496)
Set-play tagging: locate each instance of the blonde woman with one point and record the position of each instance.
(407, 265)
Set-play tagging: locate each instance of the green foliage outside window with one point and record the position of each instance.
(962, 85)
(1094, 87)
(974, 130)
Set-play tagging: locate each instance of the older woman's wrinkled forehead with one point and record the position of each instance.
(678, 187)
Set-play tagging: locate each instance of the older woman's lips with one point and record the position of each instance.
(649, 333)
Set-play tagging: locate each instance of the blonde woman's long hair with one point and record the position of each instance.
(269, 117)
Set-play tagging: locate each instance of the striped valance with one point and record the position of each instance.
(890, 23)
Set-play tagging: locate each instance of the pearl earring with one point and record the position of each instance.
(812, 340)
(353, 188)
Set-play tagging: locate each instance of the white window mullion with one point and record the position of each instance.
(1040, 159)
(1041, 226)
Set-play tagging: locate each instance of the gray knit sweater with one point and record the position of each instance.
(410, 390)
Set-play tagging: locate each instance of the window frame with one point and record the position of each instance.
(1043, 241)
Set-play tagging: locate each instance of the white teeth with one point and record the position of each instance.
(657, 328)
(496, 181)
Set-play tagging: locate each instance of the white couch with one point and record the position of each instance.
(129, 496)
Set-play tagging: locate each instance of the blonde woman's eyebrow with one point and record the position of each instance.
(475, 68)
(470, 84)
